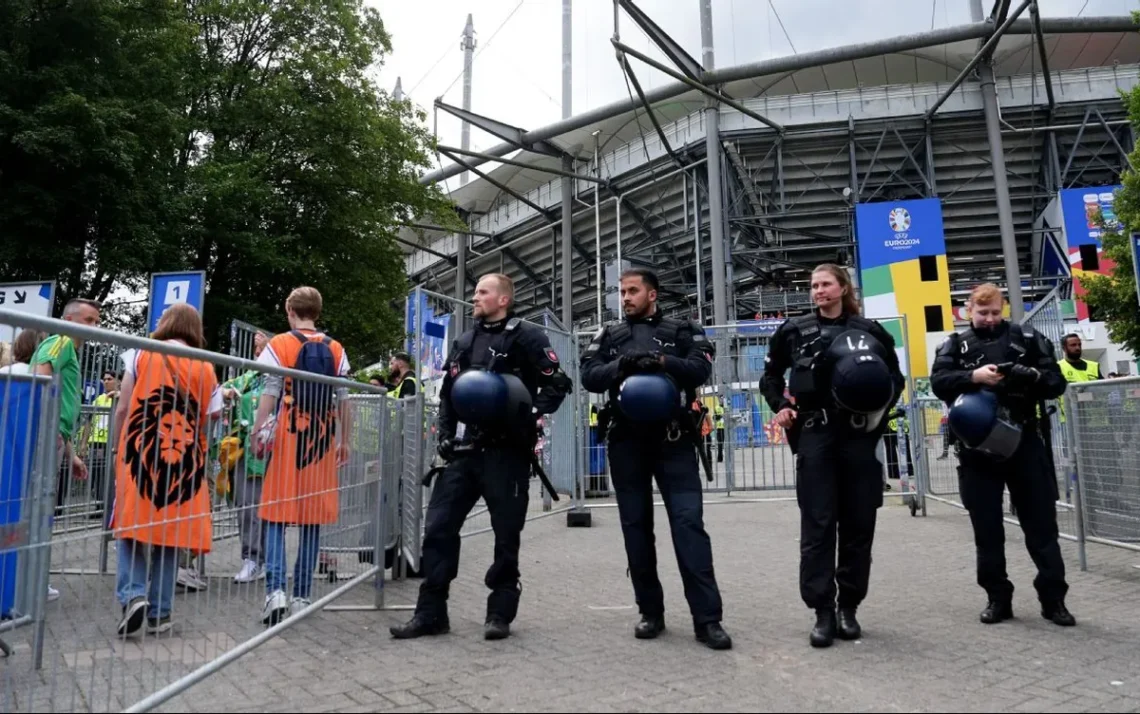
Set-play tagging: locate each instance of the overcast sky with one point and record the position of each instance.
(518, 62)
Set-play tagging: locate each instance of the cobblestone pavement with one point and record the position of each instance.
(572, 648)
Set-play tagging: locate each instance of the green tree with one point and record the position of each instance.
(298, 168)
(244, 138)
(90, 116)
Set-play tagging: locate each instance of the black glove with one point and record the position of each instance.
(446, 448)
(631, 363)
(649, 363)
(1019, 374)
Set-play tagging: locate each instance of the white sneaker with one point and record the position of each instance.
(250, 571)
(189, 579)
(298, 604)
(53, 594)
(276, 605)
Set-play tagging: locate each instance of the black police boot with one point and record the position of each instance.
(713, 636)
(823, 634)
(998, 610)
(419, 626)
(496, 628)
(649, 627)
(849, 628)
(1057, 613)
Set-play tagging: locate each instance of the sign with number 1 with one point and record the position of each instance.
(168, 289)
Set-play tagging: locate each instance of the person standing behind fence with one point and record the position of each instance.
(306, 443)
(162, 499)
(248, 473)
(98, 434)
(1004, 404)
(661, 444)
(845, 378)
(59, 355)
(23, 349)
(401, 380)
(492, 459)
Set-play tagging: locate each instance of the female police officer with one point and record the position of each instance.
(845, 376)
(997, 373)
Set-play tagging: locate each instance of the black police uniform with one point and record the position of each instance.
(1029, 473)
(668, 450)
(839, 479)
(493, 464)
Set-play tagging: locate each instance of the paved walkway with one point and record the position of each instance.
(573, 649)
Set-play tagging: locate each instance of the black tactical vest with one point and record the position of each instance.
(811, 338)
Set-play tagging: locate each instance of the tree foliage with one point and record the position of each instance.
(244, 138)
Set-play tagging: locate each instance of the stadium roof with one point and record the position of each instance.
(802, 86)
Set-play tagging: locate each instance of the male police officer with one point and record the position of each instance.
(494, 463)
(648, 343)
(1012, 367)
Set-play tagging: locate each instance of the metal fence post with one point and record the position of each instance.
(1072, 412)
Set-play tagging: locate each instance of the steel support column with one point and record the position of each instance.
(461, 278)
(715, 196)
(567, 240)
(1001, 192)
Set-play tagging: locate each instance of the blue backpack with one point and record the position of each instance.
(317, 357)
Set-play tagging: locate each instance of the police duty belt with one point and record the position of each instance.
(472, 448)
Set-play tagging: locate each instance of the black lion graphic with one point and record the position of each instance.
(162, 449)
(315, 430)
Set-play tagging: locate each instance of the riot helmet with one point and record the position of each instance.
(519, 412)
(649, 398)
(859, 378)
(981, 423)
(480, 397)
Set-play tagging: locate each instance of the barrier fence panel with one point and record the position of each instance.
(1105, 418)
(243, 343)
(132, 611)
(1046, 317)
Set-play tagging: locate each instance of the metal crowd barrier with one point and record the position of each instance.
(1096, 458)
(69, 585)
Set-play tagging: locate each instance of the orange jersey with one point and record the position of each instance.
(301, 481)
(161, 491)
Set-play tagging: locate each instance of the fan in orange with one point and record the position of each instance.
(160, 500)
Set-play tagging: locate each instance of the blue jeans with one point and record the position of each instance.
(132, 576)
(275, 559)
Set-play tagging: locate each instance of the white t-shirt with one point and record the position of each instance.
(16, 368)
(269, 357)
(131, 367)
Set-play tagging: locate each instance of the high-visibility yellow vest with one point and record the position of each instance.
(1090, 373)
(100, 422)
(719, 417)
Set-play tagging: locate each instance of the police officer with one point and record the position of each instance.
(665, 447)
(967, 365)
(489, 460)
(845, 378)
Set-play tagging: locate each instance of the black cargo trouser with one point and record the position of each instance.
(634, 462)
(839, 489)
(502, 477)
(1033, 491)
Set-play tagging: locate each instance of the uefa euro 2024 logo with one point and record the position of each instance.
(899, 218)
